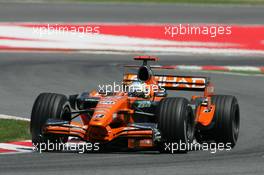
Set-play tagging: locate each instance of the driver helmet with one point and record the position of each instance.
(137, 89)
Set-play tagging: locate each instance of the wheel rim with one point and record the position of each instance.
(189, 127)
(66, 113)
(235, 123)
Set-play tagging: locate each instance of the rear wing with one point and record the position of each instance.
(172, 82)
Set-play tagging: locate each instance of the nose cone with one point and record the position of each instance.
(105, 109)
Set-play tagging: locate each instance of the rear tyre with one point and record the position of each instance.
(226, 121)
(48, 105)
(176, 124)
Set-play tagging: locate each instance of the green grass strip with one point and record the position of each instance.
(14, 130)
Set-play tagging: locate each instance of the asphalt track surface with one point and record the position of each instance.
(151, 13)
(24, 76)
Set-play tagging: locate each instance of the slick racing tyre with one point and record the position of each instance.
(227, 119)
(226, 122)
(176, 123)
(48, 105)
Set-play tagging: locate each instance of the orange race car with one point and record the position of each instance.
(140, 114)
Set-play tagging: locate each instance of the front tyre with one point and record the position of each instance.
(48, 105)
(176, 123)
(227, 119)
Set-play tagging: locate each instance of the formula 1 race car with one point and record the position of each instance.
(140, 114)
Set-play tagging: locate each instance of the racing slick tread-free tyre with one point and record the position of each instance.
(226, 119)
(175, 122)
(48, 105)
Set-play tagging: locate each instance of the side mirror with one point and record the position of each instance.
(161, 94)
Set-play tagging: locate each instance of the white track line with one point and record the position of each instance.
(14, 147)
(46, 39)
(3, 116)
